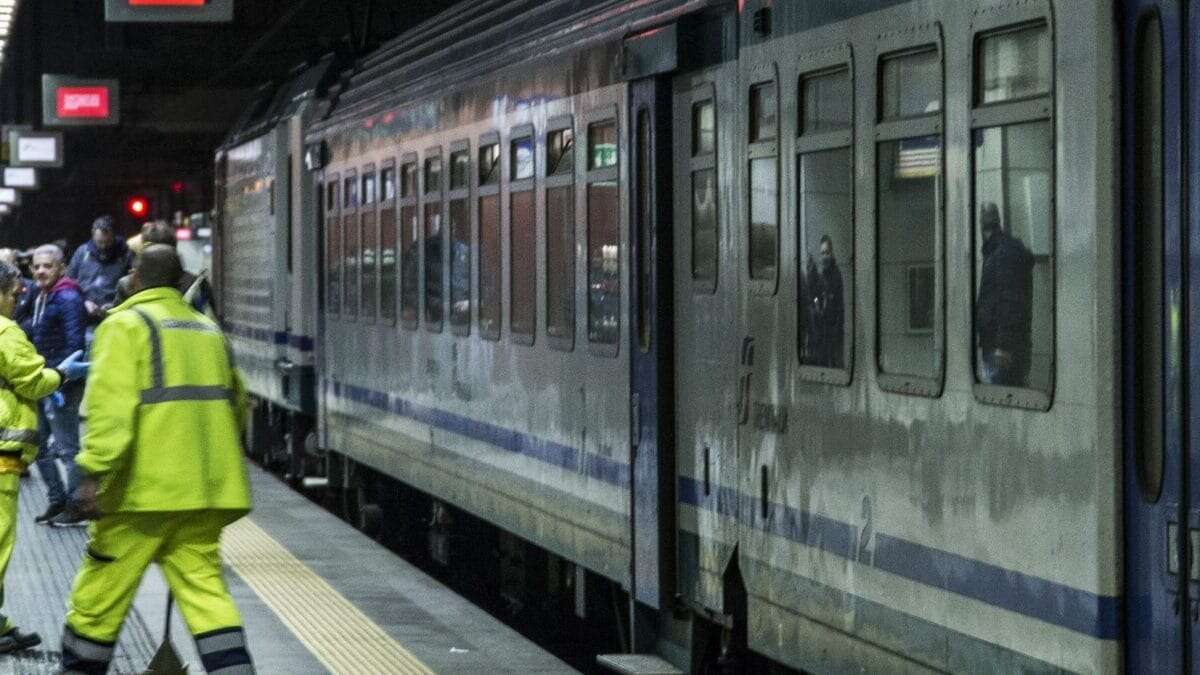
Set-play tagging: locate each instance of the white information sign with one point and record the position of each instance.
(20, 177)
(9, 196)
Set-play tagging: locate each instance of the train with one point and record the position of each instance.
(846, 335)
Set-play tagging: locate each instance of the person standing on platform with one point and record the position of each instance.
(24, 378)
(57, 329)
(164, 471)
(98, 264)
(29, 290)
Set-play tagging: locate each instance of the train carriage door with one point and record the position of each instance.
(1160, 604)
(1189, 254)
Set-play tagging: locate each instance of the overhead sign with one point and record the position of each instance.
(36, 148)
(9, 196)
(5, 134)
(70, 101)
(169, 11)
(22, 177)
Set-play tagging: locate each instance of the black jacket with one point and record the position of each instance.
(1004, 308)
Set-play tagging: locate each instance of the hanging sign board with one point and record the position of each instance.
(22, 177)
(5, 133)
(9, 196)
(70, 101)
(169, 11)
(36, 148)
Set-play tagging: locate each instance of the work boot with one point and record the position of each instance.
(15, 640)
(69, 517)
(52, 510)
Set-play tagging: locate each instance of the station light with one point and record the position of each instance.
(177, 187)
(138, 207)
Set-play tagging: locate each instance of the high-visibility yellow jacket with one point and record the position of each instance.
(165, 411)
(24, 378)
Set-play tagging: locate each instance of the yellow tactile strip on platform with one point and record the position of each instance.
(337, 633)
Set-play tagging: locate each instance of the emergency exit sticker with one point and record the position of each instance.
(82, 102)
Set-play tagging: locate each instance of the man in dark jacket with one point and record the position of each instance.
(98, 264)
(57, 330)
(1004, 308)
(826, 310)
(23, 312)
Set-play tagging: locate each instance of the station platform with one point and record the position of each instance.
(316, 596)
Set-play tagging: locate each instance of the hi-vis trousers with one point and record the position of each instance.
(10, 485)
(122, 546)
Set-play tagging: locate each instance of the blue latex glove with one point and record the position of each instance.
(73, 367)
(57, 400)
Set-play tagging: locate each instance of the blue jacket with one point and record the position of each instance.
(98, 271)
(59, 321)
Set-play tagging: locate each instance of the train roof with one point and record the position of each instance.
(478, 37)
(275, 101)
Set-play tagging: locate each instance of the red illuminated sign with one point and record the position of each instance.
(167, 3)
(82, 102)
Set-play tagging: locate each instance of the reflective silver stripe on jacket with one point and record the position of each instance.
(232, 639)
(19, 435)
(159, 392)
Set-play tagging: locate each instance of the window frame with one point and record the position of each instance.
(701, 93)
(434, 152)
(999, 114)
(823, 63)
(402, 201)
(487, 190)
(564, 343)
(453, 194)
(382, 204)
(600, 115)
(508, 158)
(350, 177)
(887, 130)
(333, 212)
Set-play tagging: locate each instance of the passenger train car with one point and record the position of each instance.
(853, 335)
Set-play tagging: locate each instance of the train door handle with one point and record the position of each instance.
(743, 407)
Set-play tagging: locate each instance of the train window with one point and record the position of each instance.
(387, 184)
(704, 128)
(560, 152)
(434, 250)
(350, 193)
(410, 267)
(522, 263)
(602, 145)
(333, 251)
(522, 158)
(764, 117)
(489, 164)
(460, 169)
(825, 102)
(368, 188)
(489, 266)
(764, 217)
(826, 217)
(910, 84)
(460, 265)
(433, 175)
(644, 203)
(603, 272)
(387, 249)
(350, 253)
(1013, 64)
(370, 257)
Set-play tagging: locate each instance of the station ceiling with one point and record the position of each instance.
(182, 86)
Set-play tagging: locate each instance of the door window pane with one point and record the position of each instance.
(909, 209)
(408, 180)
(460, 169)
(489, 266)
(604, 273)
(350, 193)
(522, 263)
(368, 188)
(1013, 64)
(489, 164)
(522, 159)
(827, 221)
(763, 116)
(560, 152)
(825, 102)
(409, 264)
(433, 175)
(764, 218)
(645, 222)
(369, 257)
(704, 128)
(433, 264)
(460, 264)
(387, 263)
(704, 225)
(602, 145)
(350, 262)
(387, 184)
(1014, 255)
(560, 261)
(910, 85)
(333, 256)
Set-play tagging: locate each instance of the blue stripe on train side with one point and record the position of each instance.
(302, 342)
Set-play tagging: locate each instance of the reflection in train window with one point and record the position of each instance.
(910, 84)
(369, 259)
(350, 242)
(368, 188)
(522, 263)
(408, 180)
(704, 128)
(763, 116)
(409, 236)
(489, 266)
(489, 164)
(825, 102)
(909, 184)
(1013, 64)
(764, 218)
(602, 144)
(826, 218)
(460, 169)
(433, 262)
(333, 252)
(704, 224)
(433, 175)
(603, 256)
(387, 257)
(560, 152)
(460, 265)
(521, 158)
(387, 184)
(560, 261)
(350, 192)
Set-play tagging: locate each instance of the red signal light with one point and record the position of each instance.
(177, 187)
(138, 207)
